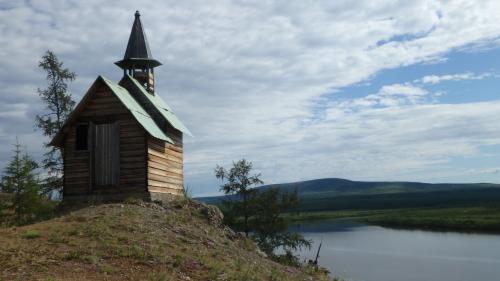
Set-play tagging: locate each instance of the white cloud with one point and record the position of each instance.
(403, 89)
(393, 95)
(435, 79)
(247, 78)
(493, 171)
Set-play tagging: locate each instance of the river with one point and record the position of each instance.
(360, 252)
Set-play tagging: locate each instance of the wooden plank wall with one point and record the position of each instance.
(165, 165)
(133, 158)
(76, 167)
(165, 161)
(105, 107)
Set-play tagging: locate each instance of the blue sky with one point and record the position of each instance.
(480, 61)
(385, 90)
(482, 165)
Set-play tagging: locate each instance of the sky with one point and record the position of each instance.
(362, 90)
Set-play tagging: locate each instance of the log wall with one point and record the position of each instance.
(165, 165)
(76, 167)
(105, 107)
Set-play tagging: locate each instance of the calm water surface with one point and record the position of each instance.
(370, 253)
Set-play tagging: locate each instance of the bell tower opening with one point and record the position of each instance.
(145, 76)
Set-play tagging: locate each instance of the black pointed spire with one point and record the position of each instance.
(138, 61)
(138, 54)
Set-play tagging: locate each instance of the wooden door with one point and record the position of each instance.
(107, 154)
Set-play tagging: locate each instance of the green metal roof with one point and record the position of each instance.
(163, 108)
(137, 111)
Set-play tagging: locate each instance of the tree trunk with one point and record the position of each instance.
(246, 225)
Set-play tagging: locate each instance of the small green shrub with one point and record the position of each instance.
(108, 269)
(178, 260)
(159, 276)
(57, 237)
(78, 218)
(92, 259)
(31, 234)
(74, 255)
(73, 232)
(247, 244)
(276, 275)
(132, 201)
(187, 191)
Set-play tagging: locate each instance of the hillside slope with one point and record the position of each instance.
(336, 186)
(181, 240)
(341, 194)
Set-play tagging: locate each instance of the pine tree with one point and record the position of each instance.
(22, 181)
(59, 105)
(271, 228)
(239, 182)
(260, 212)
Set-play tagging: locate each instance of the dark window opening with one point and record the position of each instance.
(82, 140)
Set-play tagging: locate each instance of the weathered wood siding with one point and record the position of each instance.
(105, 107)
(165, 164)
(107, 153)
(165, 161)
(76, 167)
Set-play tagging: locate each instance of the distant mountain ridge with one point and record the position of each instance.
(335, 187)
(349, 187)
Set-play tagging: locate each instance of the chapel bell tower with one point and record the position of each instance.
(138, 61)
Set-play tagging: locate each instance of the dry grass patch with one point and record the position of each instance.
(136, 241)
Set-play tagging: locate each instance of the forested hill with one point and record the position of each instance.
(335, 190)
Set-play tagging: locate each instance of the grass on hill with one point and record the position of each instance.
(181, 240)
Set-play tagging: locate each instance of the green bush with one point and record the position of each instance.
(31, 234)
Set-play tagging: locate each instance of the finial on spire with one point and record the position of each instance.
(137, 54)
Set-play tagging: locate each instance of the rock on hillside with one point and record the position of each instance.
(180, 240)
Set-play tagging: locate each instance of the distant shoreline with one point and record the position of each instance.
(409, 205)
(483, 219)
